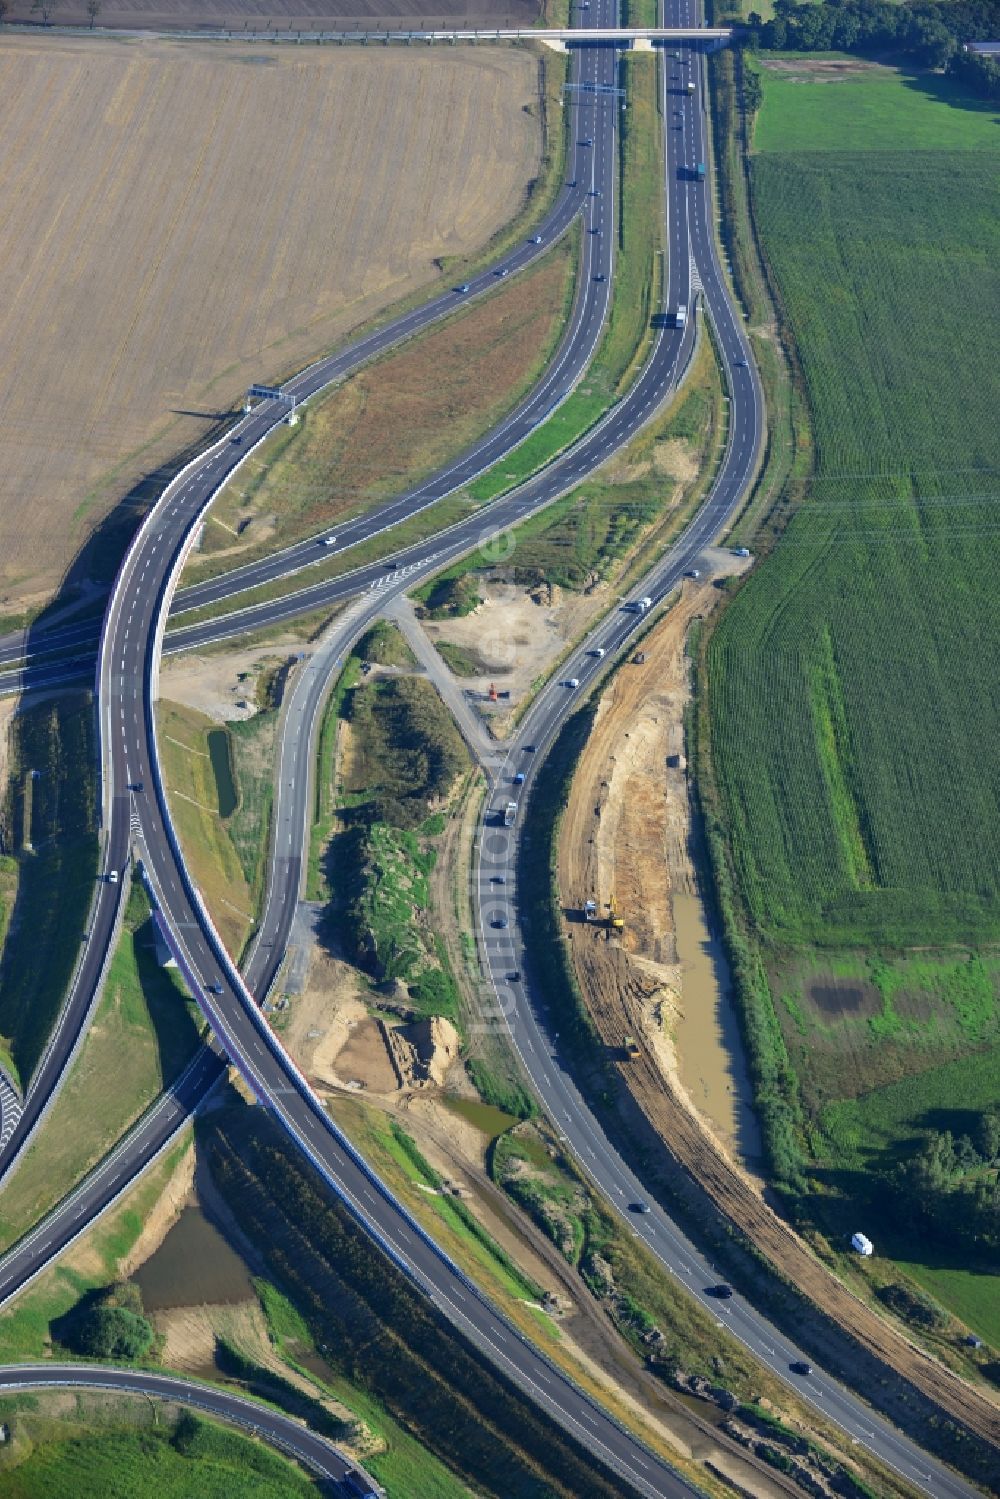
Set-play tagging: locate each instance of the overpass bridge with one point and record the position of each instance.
(560, 38)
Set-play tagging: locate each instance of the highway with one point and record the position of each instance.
(132, 639)
(127, 689)
(314, 1452)
(591, 171)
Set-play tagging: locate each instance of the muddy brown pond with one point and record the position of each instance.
(710, 1057)
(194, 1266)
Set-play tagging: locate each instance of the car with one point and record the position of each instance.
(572, 182)
(214, 988)
(135, 786)
(501, 923)
(595, 192)
(236, 441)
(639, 1207)
(514, 977)
(588, 141)
(742, 364)
(112, 876)
(595, 229)
(741, 551)
(722, 1292)
(600, 276)
(519, 778)
(503, 271)
(461, 290)
(536, 239)
(529, 749)
(598, 651)
(392, 567)
(573, 682)
(693, 572)
(328, 541)
(498, 879)
(799, 1366)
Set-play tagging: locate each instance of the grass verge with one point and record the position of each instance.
(143, 1033)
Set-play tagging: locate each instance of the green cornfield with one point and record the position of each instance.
(854, 682)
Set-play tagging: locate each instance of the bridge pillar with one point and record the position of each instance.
(641, 44)
(553, 43)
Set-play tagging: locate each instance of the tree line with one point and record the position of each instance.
(931, 32)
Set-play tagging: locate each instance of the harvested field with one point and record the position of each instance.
(168, 253)
(305, 15)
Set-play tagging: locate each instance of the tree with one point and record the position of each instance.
(113, 1332)
(3, 10)
(988, 1138)
(94, 10)
(44, 8)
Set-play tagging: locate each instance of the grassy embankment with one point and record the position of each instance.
(220, 784)
(867, 825)
(48, 822)
(396, 421)
(624, 514)
(637, 286)
(132, 1457)
(143, 1033)
(388, 763)
(26, 1323)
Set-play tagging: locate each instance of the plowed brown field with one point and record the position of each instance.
(181, 219)
(625, 840)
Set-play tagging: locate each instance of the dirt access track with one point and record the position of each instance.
(622, 980)
(182, 218)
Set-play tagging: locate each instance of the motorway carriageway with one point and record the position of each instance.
(242, 1030)
(592, 170)
(128, 665)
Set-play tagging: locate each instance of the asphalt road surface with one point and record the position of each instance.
(592, 170)
(128, 665)
(315, 1452)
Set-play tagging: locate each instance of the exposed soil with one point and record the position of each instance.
(627, 833)
(833, 996)
(516, 634)
(195, 217)
(632, 986)
(818, 69)
(223, 684)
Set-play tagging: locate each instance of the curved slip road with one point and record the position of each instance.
(294, 1438)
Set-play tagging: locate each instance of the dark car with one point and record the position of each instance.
(214, 988)
(600, 276)
(723, 1292)
(236, 441)
(799, 1366)
(135, 786)
(588, 141)
(638, 1207)
(529, 749)
(514, 977)
(501, 923)
(392, 567)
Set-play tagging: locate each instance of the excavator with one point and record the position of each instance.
(616, 921)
